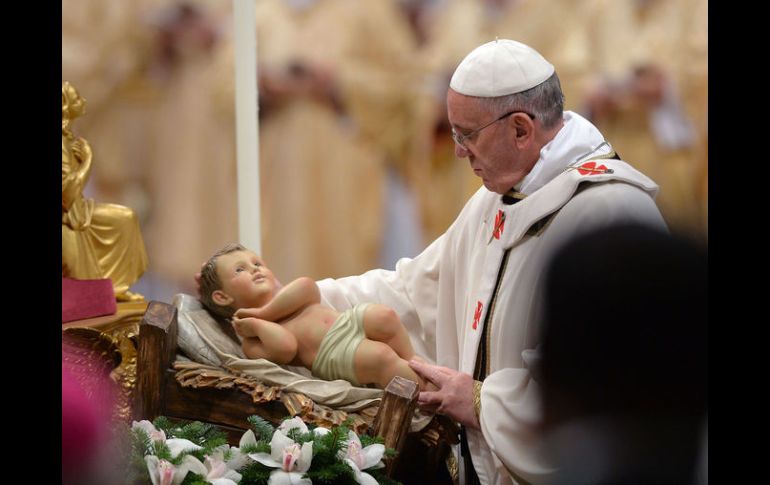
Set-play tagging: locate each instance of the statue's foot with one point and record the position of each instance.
(129, 296)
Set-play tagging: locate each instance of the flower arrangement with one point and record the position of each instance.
(164, 453)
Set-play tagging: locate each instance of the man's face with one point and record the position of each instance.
(492, 152)
(246, 279)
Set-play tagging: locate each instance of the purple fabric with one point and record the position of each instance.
(82, 299)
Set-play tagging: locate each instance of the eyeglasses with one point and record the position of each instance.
(459, 138)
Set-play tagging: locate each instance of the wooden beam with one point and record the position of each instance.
(395, 414)
(156, 350)
(229, 407)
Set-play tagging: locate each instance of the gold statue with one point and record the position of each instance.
(98, 240)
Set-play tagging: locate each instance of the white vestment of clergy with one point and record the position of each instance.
(485, 271)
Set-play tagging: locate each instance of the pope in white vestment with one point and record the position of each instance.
(474, 290)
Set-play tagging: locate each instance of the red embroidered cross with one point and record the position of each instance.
(499, 224)
(590, 168)
(477, 315)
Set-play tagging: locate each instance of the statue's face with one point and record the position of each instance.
(246, 279)
(72, 103)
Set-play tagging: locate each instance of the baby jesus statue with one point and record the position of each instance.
(364, 345)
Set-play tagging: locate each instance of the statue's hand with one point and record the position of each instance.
(249, 313)
(246, 327)
(81, 150)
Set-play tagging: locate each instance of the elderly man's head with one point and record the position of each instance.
(504, 104)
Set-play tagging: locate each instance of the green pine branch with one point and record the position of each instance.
(263, 430)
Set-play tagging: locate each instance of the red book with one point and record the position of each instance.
(82, 299)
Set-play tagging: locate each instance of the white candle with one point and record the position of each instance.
(247, 124)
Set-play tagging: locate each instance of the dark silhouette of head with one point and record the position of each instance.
(625, 337)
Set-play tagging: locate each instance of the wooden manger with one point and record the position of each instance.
(186, 391)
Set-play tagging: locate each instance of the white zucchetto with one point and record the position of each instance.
(499, 68)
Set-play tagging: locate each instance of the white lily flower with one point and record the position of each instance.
(161, 471)
(189, 464)
(219, 469)
(154, 433)
(321, 431)
(178, 445)
(287, 455)
(282, 478)
(248, 438)
(359, 458)
(213, 470)
(292, 423)
(237, 459)
(175, 445)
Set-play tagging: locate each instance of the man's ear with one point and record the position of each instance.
(221, 298)
(524, 126)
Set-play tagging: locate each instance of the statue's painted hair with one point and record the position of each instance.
(210, 282)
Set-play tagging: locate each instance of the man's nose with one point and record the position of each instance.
(461, 151)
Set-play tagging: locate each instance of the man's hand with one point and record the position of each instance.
(454, 397)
